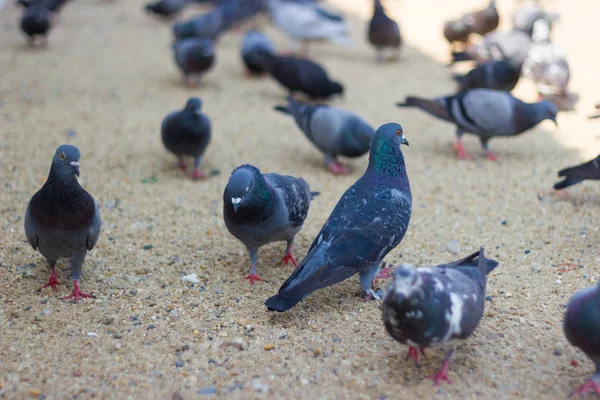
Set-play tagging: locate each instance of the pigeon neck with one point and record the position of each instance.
(260, 204)
(386, 160)
(62, 176)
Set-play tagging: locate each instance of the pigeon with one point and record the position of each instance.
(510, 46)
(62, 219)
(187, 133)
(485, 113)
(36, 21)
(194, 56)
(484, 21)
(436, 305)
(497, 75)
(299, 75)
(53, 6)
(457, 32)
(332, 130)
(255, 41)
(369, 220)
(383, 31)
(166, 8)
(263, 208)
(210, 25)
(546, 64)
(586, 171)
(527, 13)
(307, 22)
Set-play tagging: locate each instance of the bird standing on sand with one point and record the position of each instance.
(62, 219)
(263, 208)
(370, 219)
(194, 56)
(383, 32)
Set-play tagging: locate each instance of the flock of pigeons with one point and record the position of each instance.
(423, 307)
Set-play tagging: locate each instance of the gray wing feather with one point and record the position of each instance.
(487, 112)
(94, 231)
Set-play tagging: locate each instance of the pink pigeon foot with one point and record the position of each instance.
(414, 354)
(338, 168)
(78, 294)
(253, 278)
(52, 281)
(289, 257)
(442, 375)
(460, 151)
(383, 274)
(491, 156)
(199, 175)
(181, 165)
(590, 385)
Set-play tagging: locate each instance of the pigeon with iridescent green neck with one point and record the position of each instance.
(263, 208)
(62, 219)
(368, 222)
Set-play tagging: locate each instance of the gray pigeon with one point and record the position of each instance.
(527, 13)
(436, 305)
(546, 64)
(62, 219)
(254, 44)
(194, 56)
(511, 46)
(383, 32)
(263, 208)
(369, 220)
(579, 173)
(307, 22)
(332, 130)
(187, 133)
(497, 75)
(485, 113)
(582, 329)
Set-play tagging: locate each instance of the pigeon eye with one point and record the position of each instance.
(399, 132)
(62, 155)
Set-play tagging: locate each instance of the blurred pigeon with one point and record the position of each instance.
(62, 219)
(457, 31)
(263, 208)
(589, 170)
(255, 41)
(368, 222)
(166, 8)
(53, 6)
(546, 64)
(306, 22)
(497, 75)
(436, 305)
(36, 21)
(582, 329)
(187, 133)
(332, 130)
(595, 115)
(383, 31)
(485, 113)
(510, 46)
(194, 56)
(210, 25)
(527, 13)
(300, 75)
(484, 21)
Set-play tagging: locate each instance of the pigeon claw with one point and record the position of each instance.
(460, 152)
(253, 278)
(338, 168)
(52, 282)
(590, 385)
(289, 257)
(181, 165)
(491, 156)
(78, 294)
(197, 175)
(414, 354)
(442, 375)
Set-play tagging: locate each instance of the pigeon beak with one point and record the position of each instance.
(404, 141)
(554, 120)
(235, 208)
(75, 166)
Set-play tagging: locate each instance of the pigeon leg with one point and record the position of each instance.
(180, 164)
(491, 156)
(366, 279)
(191, 82)
(289, 255)
(442, 374)
(52, 281)
(591, 384)
(460, 149)
(76, 262)
(197, 173)
(335, 166)
(414, 354)
(77, 293)
(253, 276)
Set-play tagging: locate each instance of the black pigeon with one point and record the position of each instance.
(582, 329)
(255, 42)
(53, 5)
(497, 75)
(433, 306)
(586, 171)
(194, 56)
(187, 133)
(384, 32)
(300, 75)
(36, 21)
(166, 8)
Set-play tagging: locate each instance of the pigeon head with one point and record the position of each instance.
(336, 88)
(194, 104)
(66, 160)
(246, 188)
(386, 157)
(547, 110)
(406, 280)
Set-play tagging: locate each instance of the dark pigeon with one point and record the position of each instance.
(383, 32)
(510, 46)
(210, 25)
(484, 21)
(457, 32)
(263, 208)
(187, 133)
(253, 44)
(497, 75)
(486, 113)
(300, 75)
(62, 219)
(194, 56)
(579, 173)
(167, 8)
(433, 306)
(369, 220)
(53, 6)
(36, 21)
(332, 130)
(582, 329)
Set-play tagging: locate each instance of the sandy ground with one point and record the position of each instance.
(108, 78)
